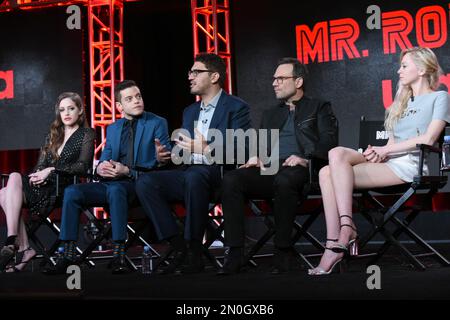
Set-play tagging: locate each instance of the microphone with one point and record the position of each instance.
(412, 98)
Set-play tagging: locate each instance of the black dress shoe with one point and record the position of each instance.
(281, 261)
(177, 261)
(233, 262)
(6, 255)
(193, 263)
(60, 268)
(119, 265)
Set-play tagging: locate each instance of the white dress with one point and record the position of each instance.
(414, 122)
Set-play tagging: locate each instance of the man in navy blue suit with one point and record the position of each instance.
(131, 141)
(193, 182)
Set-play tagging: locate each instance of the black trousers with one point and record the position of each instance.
(285, 188)
(192, 184)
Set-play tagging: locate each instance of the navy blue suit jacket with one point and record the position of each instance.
(148, 128)
(231, 113)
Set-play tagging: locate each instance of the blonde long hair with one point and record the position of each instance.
(57, 127)
(424, 59)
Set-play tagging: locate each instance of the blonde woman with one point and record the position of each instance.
(70, 148)
(418, 115)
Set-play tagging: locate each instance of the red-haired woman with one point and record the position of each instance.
(69, 147)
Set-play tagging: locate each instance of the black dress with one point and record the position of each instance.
(76, 158)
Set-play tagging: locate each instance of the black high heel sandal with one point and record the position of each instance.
(22, 263)
(351, 248)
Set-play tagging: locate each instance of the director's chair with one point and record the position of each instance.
(43, 218)
(312, 210)
(380, 214)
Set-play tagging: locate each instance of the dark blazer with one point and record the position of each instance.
(231, 113)
(148, 128)
(316, 127)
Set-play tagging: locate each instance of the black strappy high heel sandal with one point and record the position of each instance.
(351, 248)
(20, 266)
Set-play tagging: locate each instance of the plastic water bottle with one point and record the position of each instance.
(446, 153)
(147, 262)
(59, 254)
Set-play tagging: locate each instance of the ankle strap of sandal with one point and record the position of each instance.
(345, 224)
(333, 240)
(348, 225)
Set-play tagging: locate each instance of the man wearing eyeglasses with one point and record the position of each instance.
(307, 128)
(193, 182)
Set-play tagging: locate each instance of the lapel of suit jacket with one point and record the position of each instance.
(219, 113)
(193, 118)
(115, 143)
(140, 126)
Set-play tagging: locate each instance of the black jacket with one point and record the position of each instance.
(316, 127)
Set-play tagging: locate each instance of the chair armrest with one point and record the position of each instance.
(67, 174)
(423, 149)
(141, 169)
(427, 147)
(311, 163)
(314, 165)
(75, 177)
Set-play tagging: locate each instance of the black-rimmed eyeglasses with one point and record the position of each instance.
(195, 72)
(280, 80)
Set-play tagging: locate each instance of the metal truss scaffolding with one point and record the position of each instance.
(105, 26)
(105, 23)
(211, 31)
(8, 5)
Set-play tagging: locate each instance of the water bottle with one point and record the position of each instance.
(147, 262)
(59, 254)
(446, 153)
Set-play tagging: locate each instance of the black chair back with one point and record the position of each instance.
(372, 132)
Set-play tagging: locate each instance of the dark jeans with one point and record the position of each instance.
(285, 188)
(192, 184)
(117, 195)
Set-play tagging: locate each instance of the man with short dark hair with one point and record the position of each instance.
(307, 128)
(130, 141)
(194, 182)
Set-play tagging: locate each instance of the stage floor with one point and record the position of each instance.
(398, 281)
